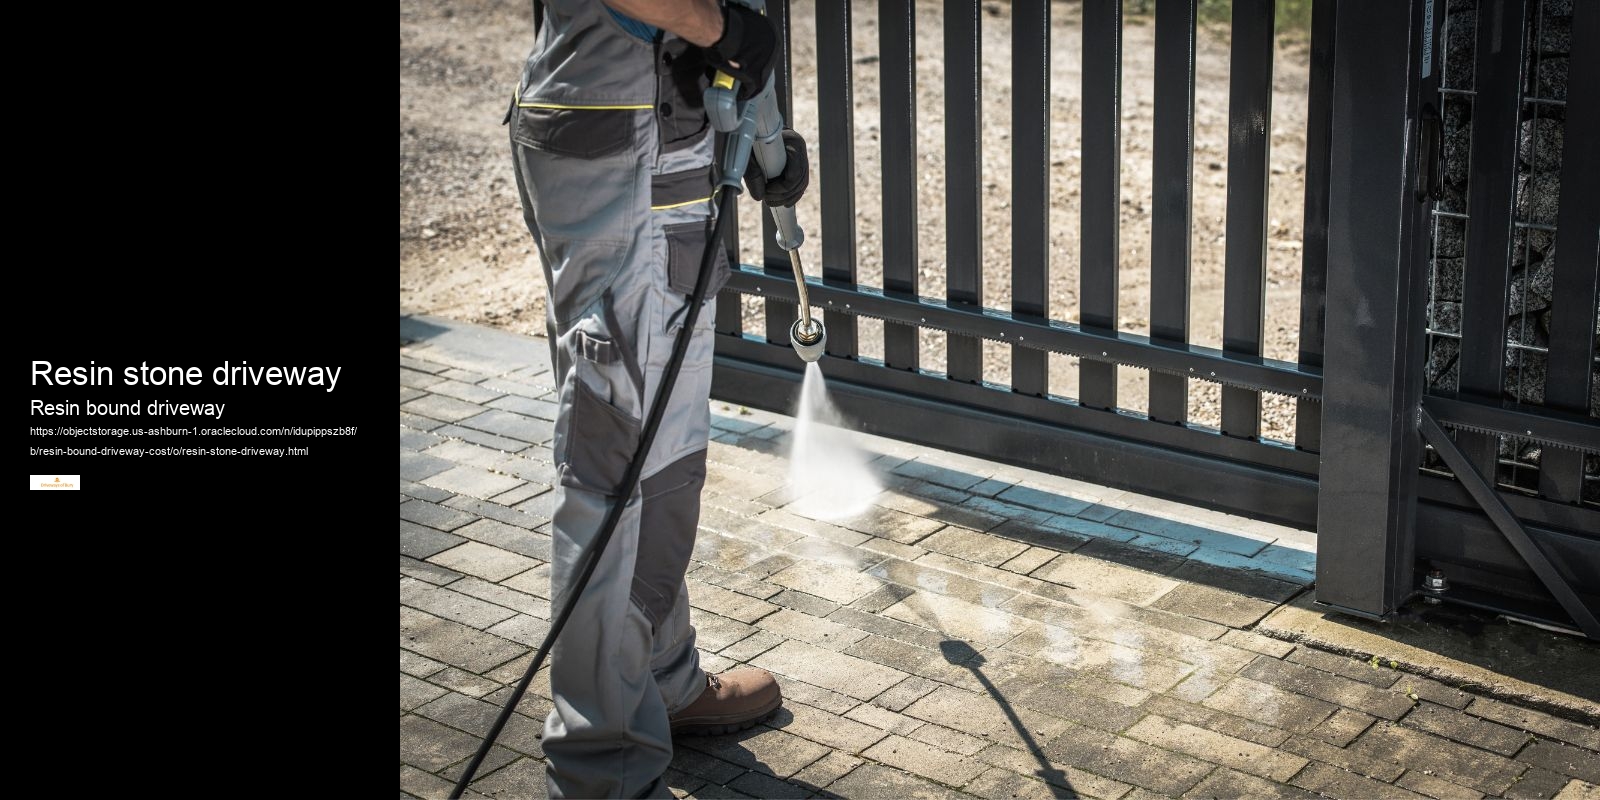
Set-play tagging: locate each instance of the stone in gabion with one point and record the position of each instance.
(1445, 280)
(1461, 37)
(1443, 370)
(1525, 382)
(1524, 329)
(1531, 292)
(1553, 78)
(1541, 150)
(1461, 5)
(1449, 237)
(1555, 35)
(1457, 157)
(1538, 196)
(1561, 8)
(1444, 316)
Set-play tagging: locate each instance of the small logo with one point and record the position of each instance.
(41, 483)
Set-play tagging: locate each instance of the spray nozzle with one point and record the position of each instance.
(808, 338)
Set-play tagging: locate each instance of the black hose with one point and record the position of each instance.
(630, 480)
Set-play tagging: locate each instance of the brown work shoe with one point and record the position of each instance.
(732, 701)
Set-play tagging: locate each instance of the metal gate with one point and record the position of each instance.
(1375, 165)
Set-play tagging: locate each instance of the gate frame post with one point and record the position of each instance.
(1376, 295)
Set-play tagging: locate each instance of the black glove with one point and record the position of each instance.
(750, 39)
(786, 189)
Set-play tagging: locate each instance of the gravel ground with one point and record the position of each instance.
(465, 254)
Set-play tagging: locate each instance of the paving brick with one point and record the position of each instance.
(757, 784)
(416, 466)
(727, 603)
(904, 693)
(1436, 787)
(433, 515)
(1217, 748)
(542, 409)
(925, 760)
(498, 512)
(444, 409)
(1184, 531)
(895, 654)
(1579, 790)
(1332, 688)
(804, 603)
(815, 550)
(468, 453)
(958, 618)
(1127, 760)
(519, 388)
(1200, 684)
(890, 524)
(947, 739)
(419, 541)
(420, 492)
(535, 581)
(1101, 577)
(472, 481)
(951, 514)
(1536, 722)
(502, 596)
(1413, 749)
(419, 422)
(1257, 643)
(876, 782)
(428, 786)
(1028, 560)
(827, 769)
(418, 666)
(984, 716)
(459, 711)
(499, 444)
(521, 493)
(1301, 572)
(760, 530)
(493, 564)
(838, 584)
(1380, 675)
(528, 630)
(972, 546)
(1435, 692)
(416, 377)
(512, 426)
(1541, 784)
(460, 390)
(938, 474)
(1161, 544)
(415, 692)
(1453, 724)
(1043, 500)
(884, 719)
(847, 675)
(1065, 701)
(1213, 720)
(887, 594)
(806, 628)
(459, 680)
(415, 440)
(432, 573)
(833, 730)
(1338, 783)
(703, 766)
(735, 582)
(1226, 784)
(1101, 658)
(745, 649)
(454, 643)
(1343, 727)
(1034, 764)
(929, 577)
(1271, 706)
(1219, 606)
(451, 605)
(761, 749)
(812, 695)
(430, 746)
(1565, 759)
(523, 779)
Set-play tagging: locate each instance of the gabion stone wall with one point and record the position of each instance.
(1538, 188)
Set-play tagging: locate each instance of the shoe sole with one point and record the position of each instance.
(723, 728)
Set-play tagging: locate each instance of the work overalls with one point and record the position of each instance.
(613, 161)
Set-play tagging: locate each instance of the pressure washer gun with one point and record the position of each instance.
(757, 126)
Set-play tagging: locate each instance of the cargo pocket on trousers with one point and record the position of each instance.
(686, 245)
(601, 438)
(580, 133)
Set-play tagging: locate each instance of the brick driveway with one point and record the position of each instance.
(982, 631)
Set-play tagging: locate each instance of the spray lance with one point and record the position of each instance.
(756, 128)
(753, 126)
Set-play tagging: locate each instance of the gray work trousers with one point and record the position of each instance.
(621, 224)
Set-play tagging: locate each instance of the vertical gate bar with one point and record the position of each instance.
(1172, 204)
(897, 43)
(1491, 189)
(1570, 378)
(1249, 135)
(835, 122)
(963, 168)
(1030, 185)
(1314, 235)
(780, 315)
(1372, 378)
(730, 308)
(1099, 215)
